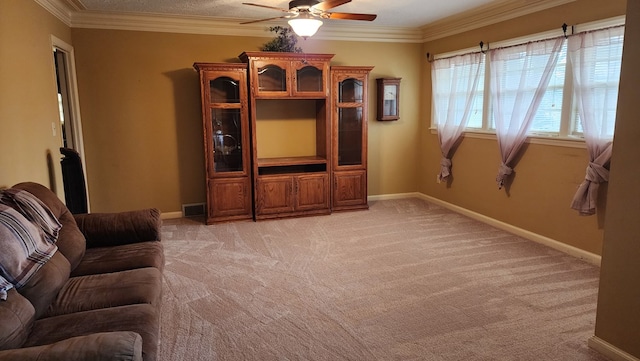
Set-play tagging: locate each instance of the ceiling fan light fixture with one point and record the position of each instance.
(305, 26)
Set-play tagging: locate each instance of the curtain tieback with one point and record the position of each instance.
(445, 169)
(597, 173)
(503, 173)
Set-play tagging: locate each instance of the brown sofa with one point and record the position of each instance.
(97, 298)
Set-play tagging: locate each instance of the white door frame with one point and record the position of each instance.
(74, 102)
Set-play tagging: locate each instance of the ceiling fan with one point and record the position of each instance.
(305, 15)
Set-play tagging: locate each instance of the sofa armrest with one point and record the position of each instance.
(111, 346)
(113, 229)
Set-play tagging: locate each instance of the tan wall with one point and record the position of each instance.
(142, 124)
(618, 316)
(545, 177)
(28, 102)
(143, 134)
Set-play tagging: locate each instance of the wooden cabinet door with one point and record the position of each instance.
(230, 198)
(271, 78)
(350, 190)
(274, 195)
(309, 78)
(312, 192)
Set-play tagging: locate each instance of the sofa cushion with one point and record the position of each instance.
(113, 229)
(43, 287)
(141, 318)
(104, 346)
(24, 250)
(120, 258)
(142, 285)
(34, 210)
(16, 317)
(71, 242)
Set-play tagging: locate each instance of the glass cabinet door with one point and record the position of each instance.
(309, 79)
(350, 117)
(272, 78)
(226, 124)
(350, 91)
(227, 140)
(350, 136)
(224, 90)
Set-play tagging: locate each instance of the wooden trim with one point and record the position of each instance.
(609, 350)
(490, 14)
(274, 55)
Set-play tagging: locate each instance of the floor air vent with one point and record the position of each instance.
(192, 210)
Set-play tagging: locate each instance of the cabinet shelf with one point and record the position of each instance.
(298, 97)
(290, 161)
(291, 165)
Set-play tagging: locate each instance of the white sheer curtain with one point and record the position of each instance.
(519, 78)
(595, 59)
(454, 83)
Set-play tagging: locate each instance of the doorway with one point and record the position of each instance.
(71, 147)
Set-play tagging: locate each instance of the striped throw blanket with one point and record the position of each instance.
(28, 232)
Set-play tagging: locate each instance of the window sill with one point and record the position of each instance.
(556, 141)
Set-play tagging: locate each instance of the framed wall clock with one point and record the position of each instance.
(388, 98)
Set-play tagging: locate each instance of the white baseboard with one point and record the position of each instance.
(171, 215)
(383, 197)
(562, 247)
(610, 351)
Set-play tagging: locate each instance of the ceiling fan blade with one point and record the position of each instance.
(329, 4)
(261, 20)
(267, 6)
(351, 16)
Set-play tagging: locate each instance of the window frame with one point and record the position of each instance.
(567, 135)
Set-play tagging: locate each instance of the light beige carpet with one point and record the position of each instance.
(405, 280)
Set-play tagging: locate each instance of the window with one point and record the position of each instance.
(557, 115)
(608, 59)
(549, 115)
(456, 87)
(475, 115)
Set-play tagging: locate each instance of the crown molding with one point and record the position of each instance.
(370, 33)
(57, 8)
(74, 15)
(166, 24)
(232, 27)
(486, 15)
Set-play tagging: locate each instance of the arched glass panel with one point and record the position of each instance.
(350, 91)
(309, 79)
(272, 78)
(224, 90)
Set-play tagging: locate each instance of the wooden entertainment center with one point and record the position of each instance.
(285, 134)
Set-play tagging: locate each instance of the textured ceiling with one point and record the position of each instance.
(391, 13)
